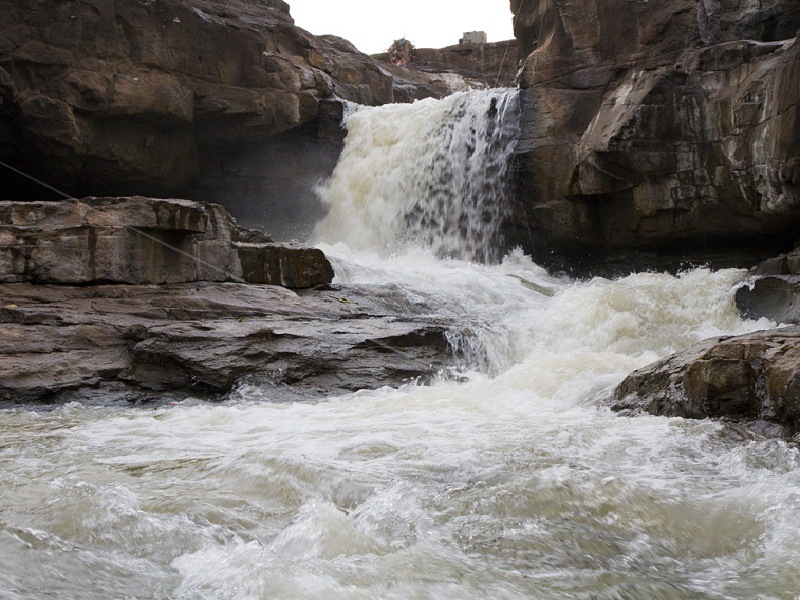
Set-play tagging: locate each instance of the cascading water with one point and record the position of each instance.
(433, 173)
(513, 482)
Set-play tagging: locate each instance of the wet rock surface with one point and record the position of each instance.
(773, 290)
(111, 343)
(753, 379)
(776, 297)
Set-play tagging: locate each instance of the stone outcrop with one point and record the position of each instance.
(143, 241)
(492, 64)
(111, 343)
(752, 379)
(634, 141)
(773, 290)
(189, 98)
(117, 298)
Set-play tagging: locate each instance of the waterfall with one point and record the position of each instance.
(435, 173)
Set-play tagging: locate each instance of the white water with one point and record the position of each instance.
(432, 174)
(513, 482)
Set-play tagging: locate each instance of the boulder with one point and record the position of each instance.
(751, 378)
(284, 265)
(773, 290)
(634, 141)
(776, 297)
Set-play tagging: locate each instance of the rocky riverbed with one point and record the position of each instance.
(116, 298)
(752, 379)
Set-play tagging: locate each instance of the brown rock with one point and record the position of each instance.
(141, 240)
(754, 377)
(633, 140)
(109, 81)
(105, 343)
(284, 265)
(125, 240)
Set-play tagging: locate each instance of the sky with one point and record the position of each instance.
(372, 25)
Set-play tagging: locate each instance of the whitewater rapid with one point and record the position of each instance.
(506, 479)
(513, 481)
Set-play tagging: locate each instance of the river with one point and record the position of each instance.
(506, 478)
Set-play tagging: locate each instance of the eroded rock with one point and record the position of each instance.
(107, 342)
(748, 378)
(633, 141)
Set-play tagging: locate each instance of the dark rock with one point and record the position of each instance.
(749, 378)
(776, 297)
(287, 266)
(633, 141)
(201, 339)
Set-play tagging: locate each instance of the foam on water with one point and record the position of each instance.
(517, 484)
(433, 173)
(513, 481)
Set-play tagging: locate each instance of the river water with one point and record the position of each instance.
(507, 479)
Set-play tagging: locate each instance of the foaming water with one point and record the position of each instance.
(508, 481)
(513, 482)
(433, 173)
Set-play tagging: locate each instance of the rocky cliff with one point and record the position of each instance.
(180, 98)
(640, 148)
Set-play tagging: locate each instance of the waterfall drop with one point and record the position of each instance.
(435, 173)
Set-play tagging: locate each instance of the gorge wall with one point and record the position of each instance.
(639, 149)
(181, 98)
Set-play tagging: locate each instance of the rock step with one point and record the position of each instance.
(133, 342)
(141, 240)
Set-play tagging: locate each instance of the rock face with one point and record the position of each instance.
(773, 291)
(107, 343)
(750, 378)
(143, 241)
(179, 98)
(635, 141)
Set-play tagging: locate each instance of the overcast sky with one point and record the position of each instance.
(372, 25)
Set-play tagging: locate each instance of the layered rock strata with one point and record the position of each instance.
(143, 241)
(118, 298)
(635, 142)
(110, 343)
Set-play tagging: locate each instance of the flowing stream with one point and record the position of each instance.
(511, 480)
